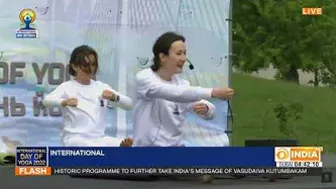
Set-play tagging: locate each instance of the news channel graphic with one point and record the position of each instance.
(298, 157)
(27, 28)
(44, 161)
(182, 171)
(31, 161)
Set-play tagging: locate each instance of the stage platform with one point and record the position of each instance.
(9, 181)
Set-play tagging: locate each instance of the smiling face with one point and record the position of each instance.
(174, 61)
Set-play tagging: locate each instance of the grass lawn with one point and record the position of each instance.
(254, 116)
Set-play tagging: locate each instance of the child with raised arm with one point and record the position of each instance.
(84, 103)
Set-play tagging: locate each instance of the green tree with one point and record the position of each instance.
(276, 32)
(328, 52)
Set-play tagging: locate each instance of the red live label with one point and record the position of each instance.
(311, 11)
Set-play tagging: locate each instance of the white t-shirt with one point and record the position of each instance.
(87, 120)
(159, 107)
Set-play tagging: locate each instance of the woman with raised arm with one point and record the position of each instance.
(162, 96)
(84, 102)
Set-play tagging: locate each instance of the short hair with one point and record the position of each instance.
(162, 45)
(78, 55)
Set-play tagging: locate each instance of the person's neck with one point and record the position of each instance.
(83, 81)
(164, 75)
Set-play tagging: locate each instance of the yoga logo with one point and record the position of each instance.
(27, 30)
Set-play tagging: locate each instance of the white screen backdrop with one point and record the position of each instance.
(123, 32)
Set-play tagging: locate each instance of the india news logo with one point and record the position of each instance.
(298, 154)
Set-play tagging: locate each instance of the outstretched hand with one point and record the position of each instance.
(222, 93)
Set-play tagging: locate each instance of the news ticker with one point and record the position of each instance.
(305, 157)
(101, 171)
(37, 161)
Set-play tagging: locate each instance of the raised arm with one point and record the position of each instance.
(151, 87)
(55, 98)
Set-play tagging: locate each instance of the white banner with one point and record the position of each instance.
(122, 32)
